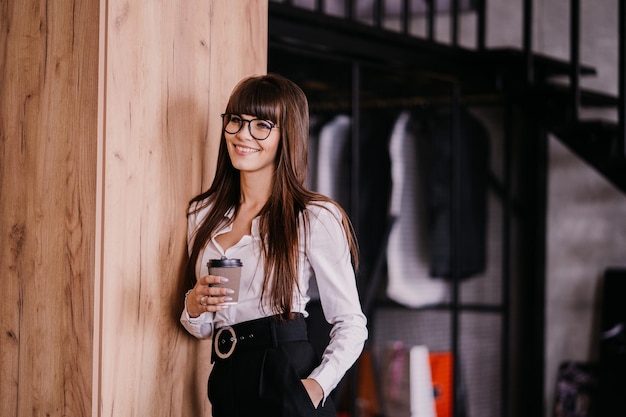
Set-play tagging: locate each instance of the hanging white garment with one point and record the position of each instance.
(327, 166)
(409, 280)
(315, 122)
(333, 179)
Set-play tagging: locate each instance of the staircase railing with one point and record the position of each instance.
(622, 77)
(352, 10)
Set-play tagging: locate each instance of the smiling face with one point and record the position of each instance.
(250, 155)
(270, 98)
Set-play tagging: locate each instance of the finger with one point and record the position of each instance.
(214, 303)
(216, 300)
(210, 304)
(214, 308)
(212, 279)
(219, 291)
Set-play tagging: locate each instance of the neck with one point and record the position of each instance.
(255, 189)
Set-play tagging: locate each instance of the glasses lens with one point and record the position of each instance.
(232, 123)
(260, 129)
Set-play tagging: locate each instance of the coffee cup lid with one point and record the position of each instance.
(224, 262)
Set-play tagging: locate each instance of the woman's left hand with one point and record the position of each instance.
(315, 391)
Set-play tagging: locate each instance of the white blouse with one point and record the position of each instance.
(325, 258)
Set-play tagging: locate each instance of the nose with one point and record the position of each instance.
(244, 132)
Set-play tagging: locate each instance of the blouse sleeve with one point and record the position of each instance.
(201, 326)
(329, 256)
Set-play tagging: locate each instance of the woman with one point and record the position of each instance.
(288, 238)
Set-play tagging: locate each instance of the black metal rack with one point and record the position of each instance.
(354, 64)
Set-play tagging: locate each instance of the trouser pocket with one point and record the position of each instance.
(280, 383)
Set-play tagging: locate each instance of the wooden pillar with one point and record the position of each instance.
(109, 124)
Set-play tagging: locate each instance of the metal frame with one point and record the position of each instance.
(519, 78)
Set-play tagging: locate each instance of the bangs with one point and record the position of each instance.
(257, 98)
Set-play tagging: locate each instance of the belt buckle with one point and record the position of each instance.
(216, 343)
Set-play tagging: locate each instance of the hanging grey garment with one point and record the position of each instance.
(333, 160)
(409, 280)
(471, 210)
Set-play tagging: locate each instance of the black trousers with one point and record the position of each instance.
(266, 382)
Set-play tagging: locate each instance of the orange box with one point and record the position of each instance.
(441, 368)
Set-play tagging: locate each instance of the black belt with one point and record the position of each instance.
(257, 334)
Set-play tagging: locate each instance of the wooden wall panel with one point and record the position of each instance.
(109, 124)
(170, 67)
(48, 109)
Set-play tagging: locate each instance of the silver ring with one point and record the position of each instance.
(202, 301)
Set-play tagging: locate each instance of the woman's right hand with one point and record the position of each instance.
(206, 297)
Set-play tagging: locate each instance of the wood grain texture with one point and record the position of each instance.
(109, 124)
(170, 68)
(48, 108)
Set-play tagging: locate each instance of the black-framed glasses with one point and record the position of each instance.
(259, 129)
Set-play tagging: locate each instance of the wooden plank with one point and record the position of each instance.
(105, 134)
(169, 68)
(48, 108)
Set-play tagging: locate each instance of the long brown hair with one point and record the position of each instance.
(271, 97)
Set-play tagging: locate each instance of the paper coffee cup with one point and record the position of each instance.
(227, 268)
